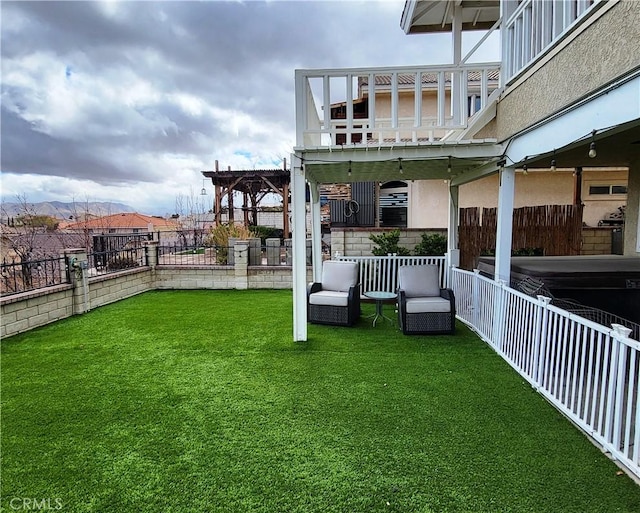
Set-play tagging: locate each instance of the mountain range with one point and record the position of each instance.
(62, 210)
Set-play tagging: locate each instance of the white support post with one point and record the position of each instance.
(456, 78)
(326, 105)
(349, 108)
(417, 99)
(316, 232)
(453, 253)
(372, 103)
(301, 115)
(299, 243)
(505, 224)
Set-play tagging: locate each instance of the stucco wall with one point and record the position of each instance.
(589, 62)
(428, 199)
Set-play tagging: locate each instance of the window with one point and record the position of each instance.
(607, 190)
(474, 103)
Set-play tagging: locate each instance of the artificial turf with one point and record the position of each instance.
(199, 401)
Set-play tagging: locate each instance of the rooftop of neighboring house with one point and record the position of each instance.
(431, 78)
(125, 220)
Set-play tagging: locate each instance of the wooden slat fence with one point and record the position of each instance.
(548, 229)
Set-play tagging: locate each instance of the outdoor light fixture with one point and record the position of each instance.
(400, 166)
(203, 191)
(592, 147)
(525, 168)
(449, 165)
(553, 162)
(349, 170)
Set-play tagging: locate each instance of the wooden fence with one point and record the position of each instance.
(547, 230)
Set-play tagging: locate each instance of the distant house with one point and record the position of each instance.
(124, 223)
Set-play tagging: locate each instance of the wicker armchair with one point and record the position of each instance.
(423, 307)
(336, 299)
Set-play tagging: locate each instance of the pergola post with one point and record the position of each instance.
(299, 271)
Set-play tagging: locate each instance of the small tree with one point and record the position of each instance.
(388, 243)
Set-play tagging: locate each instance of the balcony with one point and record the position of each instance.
(390, 106)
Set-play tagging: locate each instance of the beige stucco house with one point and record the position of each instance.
(568, 91)
(602, 190)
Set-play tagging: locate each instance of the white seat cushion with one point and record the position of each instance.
(329, 298)
(419, 280)
(338, 275)
(427, 304)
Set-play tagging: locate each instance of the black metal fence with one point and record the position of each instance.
(106, 262)
(20, 275)
(177, 254)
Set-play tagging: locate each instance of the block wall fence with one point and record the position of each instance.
(28, 310)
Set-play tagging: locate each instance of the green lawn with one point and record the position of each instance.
(199, 401)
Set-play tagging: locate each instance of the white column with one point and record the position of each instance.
(298, 228)
(456, 79)
(632, 221)
(316, 232)
(453, 253)
(505, 224)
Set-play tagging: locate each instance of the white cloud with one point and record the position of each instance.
(129, 101)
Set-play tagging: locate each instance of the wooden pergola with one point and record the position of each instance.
(254, 185)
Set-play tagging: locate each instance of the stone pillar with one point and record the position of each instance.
(151, 249)
(78, 266)
(273, 251)
(255, 251)
(241, 263)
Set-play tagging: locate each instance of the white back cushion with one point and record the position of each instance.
(419, 280)
(338, 275)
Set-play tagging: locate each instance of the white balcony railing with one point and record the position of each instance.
(386, 106)
(536, 25)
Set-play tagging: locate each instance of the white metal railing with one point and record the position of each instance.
(380, 273)
(590, 372)
(535, 25)
(336, 106)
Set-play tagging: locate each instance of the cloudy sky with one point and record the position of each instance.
(129, 101)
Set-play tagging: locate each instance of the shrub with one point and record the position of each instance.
(431, 244)
(266, 232)
(387, 243)
(219, 238)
